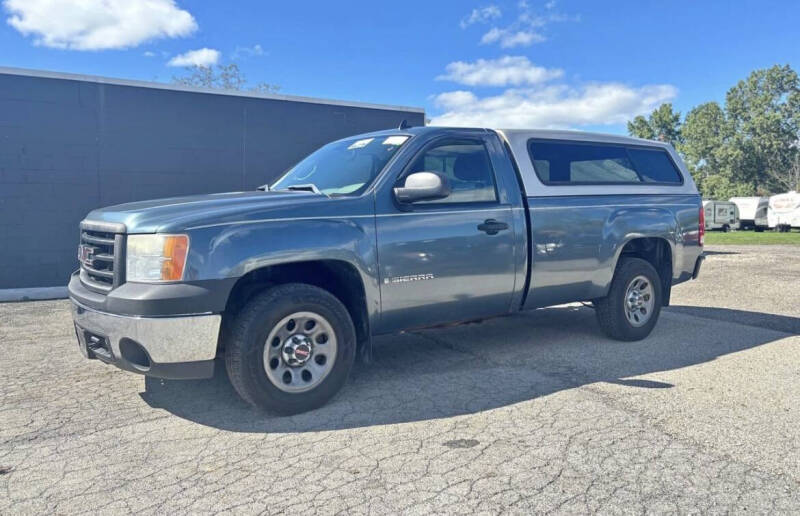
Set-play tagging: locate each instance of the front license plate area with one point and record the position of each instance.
(92, 345)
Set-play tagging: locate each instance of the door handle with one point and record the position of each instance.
(492, 226)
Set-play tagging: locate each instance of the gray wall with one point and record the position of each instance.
(68, 146)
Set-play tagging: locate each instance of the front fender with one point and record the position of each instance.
(231, 251)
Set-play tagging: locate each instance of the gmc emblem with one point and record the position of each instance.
(86, 255)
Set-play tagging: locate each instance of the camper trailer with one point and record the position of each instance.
(784, 211)
(752, 212)
(721, 215)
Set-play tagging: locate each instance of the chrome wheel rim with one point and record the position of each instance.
(299, 352)
(639, 301)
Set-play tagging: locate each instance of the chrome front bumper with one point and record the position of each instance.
(167, 347)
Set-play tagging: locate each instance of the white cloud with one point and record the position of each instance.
(504, 71)
(204, 57)
(509, 38)
(245, 52)
(456, 99)
(482, 15)
(98, 24)
(526, 29)
(554, 106)
(149, 54)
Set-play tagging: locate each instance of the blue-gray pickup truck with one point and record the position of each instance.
(380, 233)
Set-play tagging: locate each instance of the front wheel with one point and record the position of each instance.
(290, 349)
(631, 309)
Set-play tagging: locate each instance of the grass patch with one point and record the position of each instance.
(752, 238)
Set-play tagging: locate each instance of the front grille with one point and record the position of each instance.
(100, 257)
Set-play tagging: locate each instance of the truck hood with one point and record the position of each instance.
(179, 213)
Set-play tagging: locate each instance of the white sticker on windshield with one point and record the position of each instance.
(360, 143)
(395, 140)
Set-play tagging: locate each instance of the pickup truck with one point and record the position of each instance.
(380, 233)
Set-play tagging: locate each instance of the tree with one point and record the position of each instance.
(749, 146)
(663, 124)
(640, 128)
(764, 113)
(223, 77)
(705, 132)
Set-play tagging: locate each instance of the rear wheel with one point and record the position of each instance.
(631, 309)
(290, 349)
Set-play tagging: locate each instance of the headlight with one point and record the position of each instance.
(156, 258)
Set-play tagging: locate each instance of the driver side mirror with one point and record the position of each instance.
(422, 186)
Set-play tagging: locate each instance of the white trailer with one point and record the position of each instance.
(722, 215)
(784, 211)
(752, 212)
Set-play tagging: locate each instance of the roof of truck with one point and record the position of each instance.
(552, 134)
(561, 134)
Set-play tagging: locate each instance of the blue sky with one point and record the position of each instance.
(563, 63)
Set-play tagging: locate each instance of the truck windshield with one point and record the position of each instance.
(346, 167)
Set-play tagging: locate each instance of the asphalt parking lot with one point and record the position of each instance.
(530, 413)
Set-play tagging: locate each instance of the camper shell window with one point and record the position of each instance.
(588, 163)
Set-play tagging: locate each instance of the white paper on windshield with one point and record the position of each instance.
(395, 140)
(360, 143)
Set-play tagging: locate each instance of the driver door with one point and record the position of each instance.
(449, 259)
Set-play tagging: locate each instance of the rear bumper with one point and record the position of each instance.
(176, 347)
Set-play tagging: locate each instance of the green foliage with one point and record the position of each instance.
(749, 146)
(704, 132)
(640, 127)
(663, 124)
(717, 186)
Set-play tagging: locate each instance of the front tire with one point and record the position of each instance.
(631, 309)
(290, 349)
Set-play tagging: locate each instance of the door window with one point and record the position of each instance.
(466, 165)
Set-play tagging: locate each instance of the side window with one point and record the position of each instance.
(654, 166)
(596, 163)
(466, 165)
(567, 163)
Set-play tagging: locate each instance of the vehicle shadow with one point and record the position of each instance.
(465, 369)
(784, 323)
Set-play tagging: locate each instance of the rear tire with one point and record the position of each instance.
(290, 349)
(631, 309)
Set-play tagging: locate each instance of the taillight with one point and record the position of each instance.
(701, 231)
